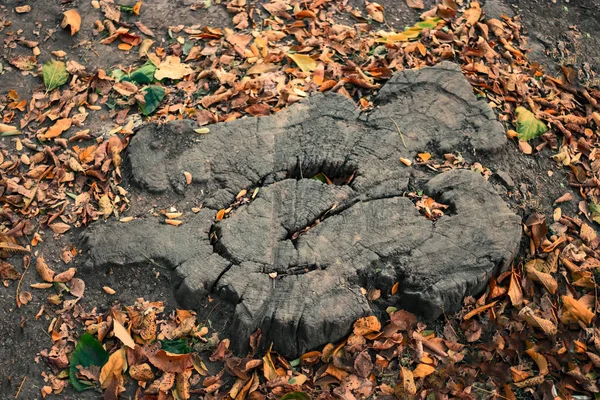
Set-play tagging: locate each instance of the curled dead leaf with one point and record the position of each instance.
(43, 270)
(72, 19)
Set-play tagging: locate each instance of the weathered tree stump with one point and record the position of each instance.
(293, 260)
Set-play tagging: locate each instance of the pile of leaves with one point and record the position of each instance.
(532, 331)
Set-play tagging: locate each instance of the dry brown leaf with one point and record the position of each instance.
(473, 14)
(406, 387)
(514, 291)
(574, 310)
(375, 11)
(72, 19)
(545, 279)
(416, 4)
(65, 276)
(43, 270)
(142, 372)
(172, 68)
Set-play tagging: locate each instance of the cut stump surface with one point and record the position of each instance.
(296, 259)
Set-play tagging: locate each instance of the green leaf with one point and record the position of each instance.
(528, 126)
(152, 97)
(144, 74)
(295, 396)
(55, 74)
(118, 74)
(88, 351)
(176, 346)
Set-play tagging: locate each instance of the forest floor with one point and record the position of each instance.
(77, 77)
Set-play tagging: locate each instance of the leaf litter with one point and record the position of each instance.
(534, 330)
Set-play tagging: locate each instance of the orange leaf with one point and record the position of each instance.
(72, 19)
(423, 370)
(59, 127)
(367, 325)
(220, 214)
(540, 360)
(574, 310)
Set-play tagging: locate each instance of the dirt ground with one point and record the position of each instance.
(560, 32)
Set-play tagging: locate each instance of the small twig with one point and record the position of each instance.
(27, 262)
(20, 386)
(400, 132)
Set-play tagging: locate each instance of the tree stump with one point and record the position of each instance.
(296, 257)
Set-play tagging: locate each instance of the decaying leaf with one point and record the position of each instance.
(528, 126)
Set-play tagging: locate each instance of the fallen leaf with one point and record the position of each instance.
(306, 63)
(172, 68)
(58, 128)
(65, 276)
(71, 19)
(574, 310)
(59, 227)
(415, 4)
(8, 271)
(423, 370)
(375, 11)
(122, 334)
(142, 372)
(114, 367)
(528, 126)
(108, 290)
(540, 360)
(367, 325)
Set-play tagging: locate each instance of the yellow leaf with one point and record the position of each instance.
(269, 370)
(173, 222)
(114, 367)
(423, 370)
(172, 68)
(122, 334)
(306, 63)
(71, 19)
